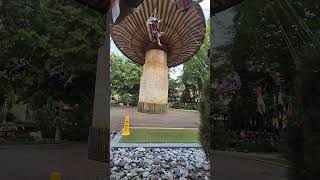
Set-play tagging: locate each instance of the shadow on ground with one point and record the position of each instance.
(234, 168)
(37, 162)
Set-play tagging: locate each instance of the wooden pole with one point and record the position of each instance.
(99, 132)
(153, 94)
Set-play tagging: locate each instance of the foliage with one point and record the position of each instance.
(125, 79)
(45, 117)
(41, 38)
(76, 128)
(206, 133)
(173, 91)
(195, 72)
(197, 78)
(274, 34)
(268, 35)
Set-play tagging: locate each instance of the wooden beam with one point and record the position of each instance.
(99, 132)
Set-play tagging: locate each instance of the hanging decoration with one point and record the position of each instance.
(290, 108)
(261, 107)
(56, 75)
(70, 80)
(115, 9)
(276, 79)
(16, 67)
(154, 32)
(183, 5)
(122, 8)
(237, 82)
(275, 122)
(280, 99)
(231, 84)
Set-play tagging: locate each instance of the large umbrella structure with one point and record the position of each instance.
(183, 36)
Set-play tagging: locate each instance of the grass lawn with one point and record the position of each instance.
(161, 136)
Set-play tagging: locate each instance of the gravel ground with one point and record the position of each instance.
(159, 163)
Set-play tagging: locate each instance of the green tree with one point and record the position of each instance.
(58, 56)
(269, 34)
(196, 71)
(125, 79)
(174, 92)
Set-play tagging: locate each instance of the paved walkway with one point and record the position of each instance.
(171, 119)
(37, 162)
(229, 168)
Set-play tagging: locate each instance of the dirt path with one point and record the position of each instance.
(171, 119)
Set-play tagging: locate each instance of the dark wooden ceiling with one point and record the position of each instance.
(184, 32)
(220, 5)
(102, 6)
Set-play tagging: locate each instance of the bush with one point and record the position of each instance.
(79, 120)
(189, 106)
(206, 135)
(257, 147)
(221, 137)
(2, 140)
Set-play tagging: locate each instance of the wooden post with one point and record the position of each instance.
(99, 132)
(153, 94)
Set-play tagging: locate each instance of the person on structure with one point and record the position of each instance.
(154, 32)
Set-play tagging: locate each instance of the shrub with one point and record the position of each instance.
(304, 125)
(221, 137)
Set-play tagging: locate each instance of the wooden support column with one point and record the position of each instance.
(153, 94)
(99, 132)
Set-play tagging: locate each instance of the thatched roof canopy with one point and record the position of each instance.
(184, 32)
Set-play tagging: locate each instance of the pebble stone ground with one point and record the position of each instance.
(159, 163)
